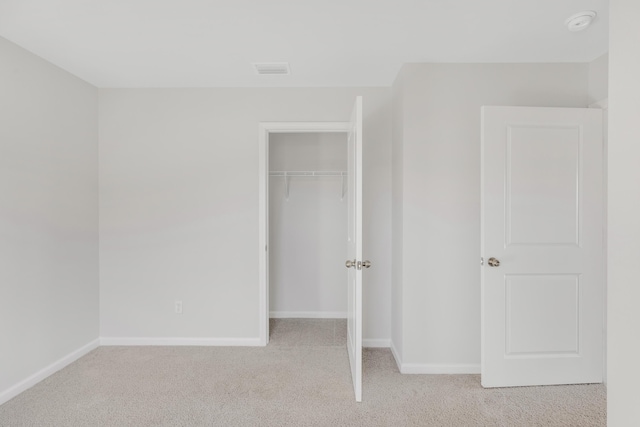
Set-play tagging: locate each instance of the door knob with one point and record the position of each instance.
(350, 264)
(366, 264)
(494, 262)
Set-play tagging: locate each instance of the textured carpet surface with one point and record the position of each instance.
(301, 378)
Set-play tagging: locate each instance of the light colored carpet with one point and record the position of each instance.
(301, 379)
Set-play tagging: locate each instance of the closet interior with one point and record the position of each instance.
(307, 235)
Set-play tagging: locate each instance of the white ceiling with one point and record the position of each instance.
(206, 43)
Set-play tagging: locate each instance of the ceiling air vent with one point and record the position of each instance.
(272, 68)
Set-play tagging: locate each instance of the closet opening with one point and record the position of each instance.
(304, 227)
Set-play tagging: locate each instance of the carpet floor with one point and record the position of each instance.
(301, 378)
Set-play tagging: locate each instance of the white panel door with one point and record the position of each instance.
(542, 245)
(354, 248)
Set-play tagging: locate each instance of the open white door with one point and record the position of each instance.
(542, 245)
(354, 248)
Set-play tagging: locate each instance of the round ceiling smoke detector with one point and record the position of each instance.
(580, 21)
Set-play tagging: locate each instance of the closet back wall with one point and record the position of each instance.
(307, 230)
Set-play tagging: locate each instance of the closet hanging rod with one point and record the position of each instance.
(289, 174)
(308, 173)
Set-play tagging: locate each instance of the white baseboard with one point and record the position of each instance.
(432, 368)
(375, 343)
(34, 379)
(180, 341)
(308, 314)
(436, 368)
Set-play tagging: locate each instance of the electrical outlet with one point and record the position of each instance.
(178, 307)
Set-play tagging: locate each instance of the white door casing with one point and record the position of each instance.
(354, 247)
(264, 130)
(354, 228)
(542, 219)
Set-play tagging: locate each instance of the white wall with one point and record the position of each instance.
(322, 151)
(599, 79)
(623, 393)
(179, 205)
(48, 216)
(307, 230)
(441, 196)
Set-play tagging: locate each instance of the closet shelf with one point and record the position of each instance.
(308, 173)
(288, 174)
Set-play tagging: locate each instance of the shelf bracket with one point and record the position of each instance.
(286, 186)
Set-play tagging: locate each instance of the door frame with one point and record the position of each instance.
(264, 130)
(603, 104)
